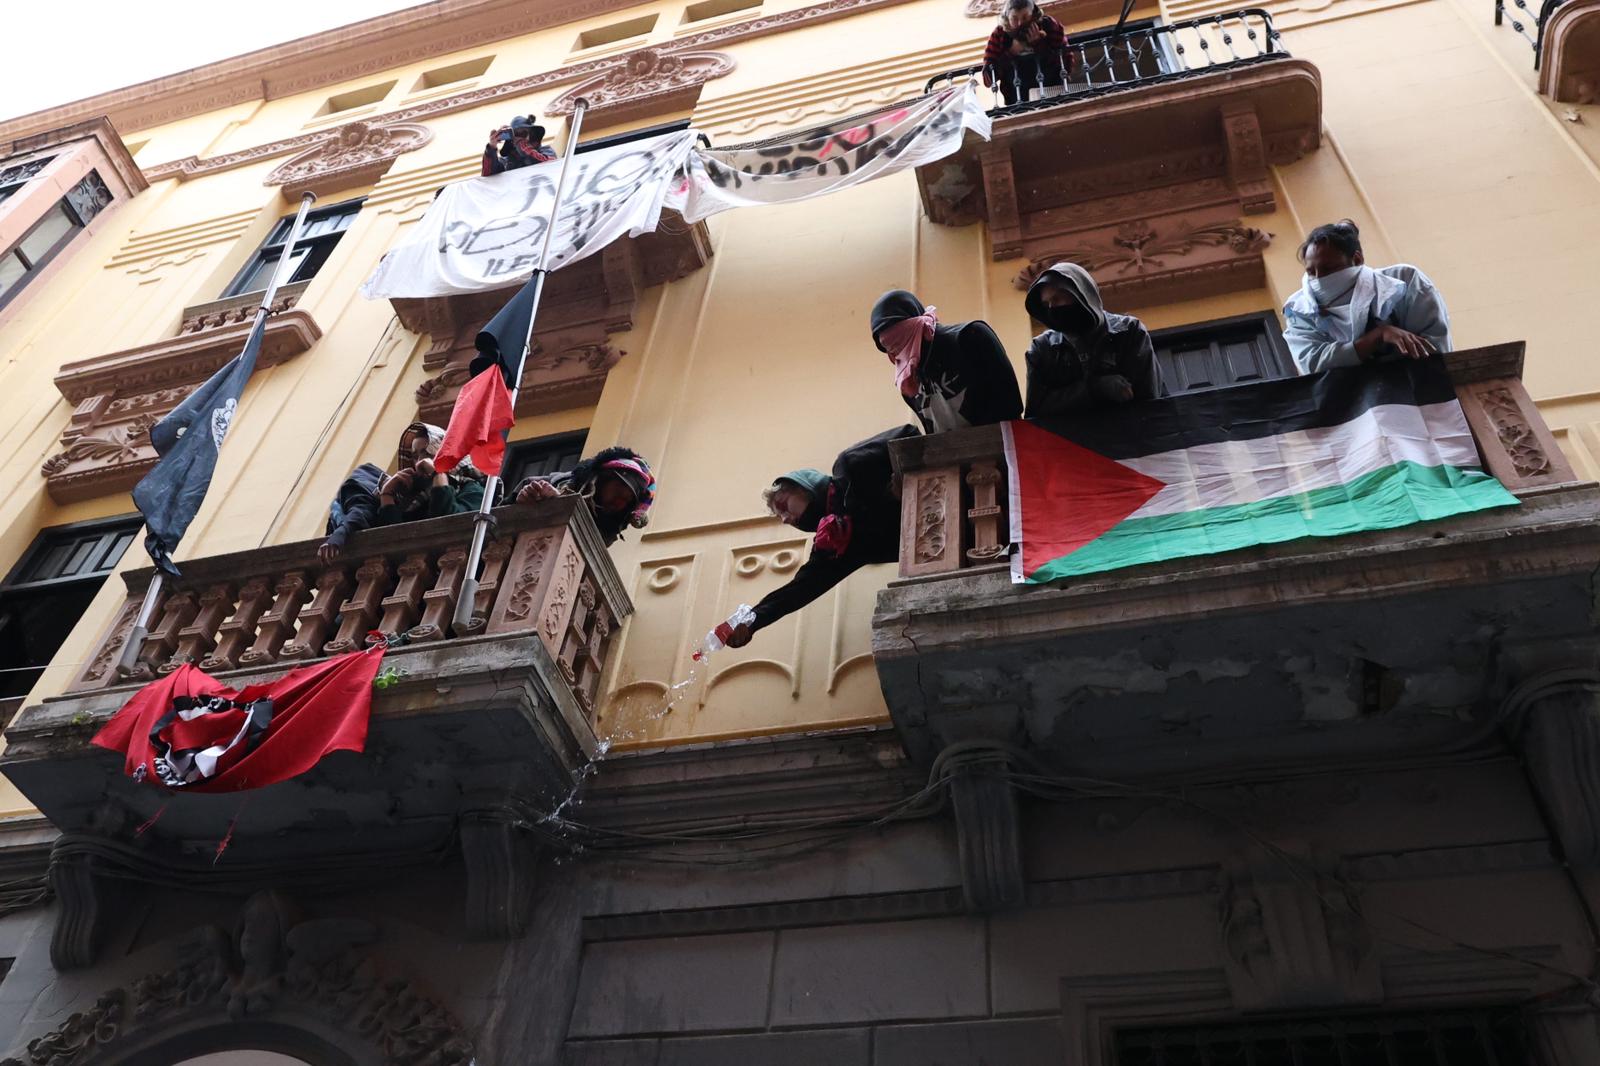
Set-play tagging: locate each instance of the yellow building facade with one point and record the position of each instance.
(1429, 125)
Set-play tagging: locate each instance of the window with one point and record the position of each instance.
(617, 31)
(1483, 1037)
(1138, 52)
(13, 178)
(433, 79)
(354, 98)
(708, 9)
(1228, 351)
(543, 456)
(322, 231)
(48, 591)
(51, 233)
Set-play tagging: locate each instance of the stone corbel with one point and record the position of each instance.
(82, 918)
(1569, 70)
(988, 829)
(500, 878)
(1000, 190)
(1560, 740)
(1247, 159)
(1294, 938)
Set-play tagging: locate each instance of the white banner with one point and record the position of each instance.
(823, 161)
(485, 233)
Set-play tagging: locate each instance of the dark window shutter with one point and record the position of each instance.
(1229, 351)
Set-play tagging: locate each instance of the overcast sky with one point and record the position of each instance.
(55, 55)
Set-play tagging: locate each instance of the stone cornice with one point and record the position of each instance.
(372, 47)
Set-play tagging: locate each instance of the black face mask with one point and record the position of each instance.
(1071, 319)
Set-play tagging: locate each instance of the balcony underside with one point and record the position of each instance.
(1358, 646)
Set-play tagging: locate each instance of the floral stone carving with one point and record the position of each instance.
(645, 77)
(270, 964)
(350, 155)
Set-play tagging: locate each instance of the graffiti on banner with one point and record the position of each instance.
(819, 162)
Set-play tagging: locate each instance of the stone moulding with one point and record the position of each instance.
(119, 396)
(1172, 259)
(1570, 68)
(648, 80)
(355, 154)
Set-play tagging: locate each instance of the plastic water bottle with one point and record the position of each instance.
(718, 638)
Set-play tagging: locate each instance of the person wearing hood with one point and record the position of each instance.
(855, 515)
(1026, 51)
(952, 376)
(368, 498)
(1088, 357)
(520, 144)
(1346, 313)
(616, 483)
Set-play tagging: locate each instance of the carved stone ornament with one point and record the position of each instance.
(353, 154)
(270, 966)
(1172, 258)
(645, 77)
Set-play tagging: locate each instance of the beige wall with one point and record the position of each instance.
(760, 362)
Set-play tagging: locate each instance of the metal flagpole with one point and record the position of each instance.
(480, 527)
(141, 625)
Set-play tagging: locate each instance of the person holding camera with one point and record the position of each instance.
(1026, 51)
(518, 145)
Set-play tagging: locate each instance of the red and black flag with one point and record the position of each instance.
(188, 731)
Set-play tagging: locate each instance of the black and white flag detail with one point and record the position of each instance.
(187, 441)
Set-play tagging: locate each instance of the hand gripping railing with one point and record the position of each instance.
(1094, 64)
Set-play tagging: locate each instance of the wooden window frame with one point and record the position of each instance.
(277, 238)
(1268, 325)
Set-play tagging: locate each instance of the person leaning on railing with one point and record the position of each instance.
(1346, 313)
(1088, 357)
(1027, 50)
(616, 483)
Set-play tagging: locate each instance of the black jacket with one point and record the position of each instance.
(356, 506)
(862, 489)
(1062, 367)
(964, 378)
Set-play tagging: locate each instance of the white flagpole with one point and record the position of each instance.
(141, 625)
(480, 527)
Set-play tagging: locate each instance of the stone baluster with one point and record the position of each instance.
(237, 632)
(177, 611)
(359, 613)
(988, 542)
(277, 625)
(593, 659)
(575, 645)
(200, 635)
(494, 569)
(316, 619)
(439, 602)
(403, 606)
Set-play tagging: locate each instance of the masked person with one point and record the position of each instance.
(1088, 357)
(855, 515)
(1346, 313)
(951, 376)
(369, 498)
(1026, 51)
(520, 144)
(616, 483)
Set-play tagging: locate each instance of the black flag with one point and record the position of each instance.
(500, 341)
(187, 441)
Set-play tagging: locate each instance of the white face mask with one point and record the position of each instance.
(1330, 287)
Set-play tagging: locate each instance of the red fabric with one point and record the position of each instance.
(1068, 494)
(833, 534)
(997, 50)
(478, 423)
(315, 710)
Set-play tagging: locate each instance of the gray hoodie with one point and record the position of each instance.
(1074, 365)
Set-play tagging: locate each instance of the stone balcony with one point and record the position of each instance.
(499, 718)
(1312, 652)
(1144, 165)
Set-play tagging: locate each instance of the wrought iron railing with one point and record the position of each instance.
(1098, 63)
(1530, 24)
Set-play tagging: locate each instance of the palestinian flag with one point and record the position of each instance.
(1343, 451)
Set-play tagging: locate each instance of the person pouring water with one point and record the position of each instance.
(1347, 313)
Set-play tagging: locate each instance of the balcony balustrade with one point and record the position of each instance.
(497, 719)
(1315, 652)
(1140, 164)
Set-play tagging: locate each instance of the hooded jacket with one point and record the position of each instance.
(964, 378)
(1065, 360)
(462, 492)
(862, 490)
(356, 506)
(580, 481)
